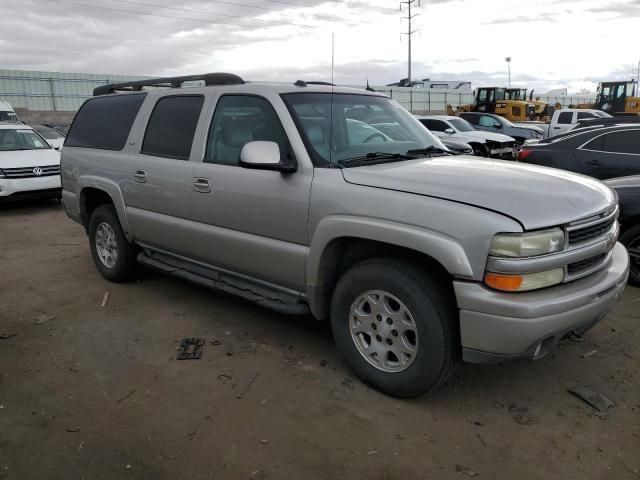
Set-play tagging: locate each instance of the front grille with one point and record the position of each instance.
(584, 265)
(592, 231)
(27, 172)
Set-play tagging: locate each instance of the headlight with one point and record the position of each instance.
(527, 244)
(525, 282)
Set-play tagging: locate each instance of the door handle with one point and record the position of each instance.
(140, 176)
(202, 185)
(556, 128)
(594, 162)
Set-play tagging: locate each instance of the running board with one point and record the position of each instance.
(260, 293)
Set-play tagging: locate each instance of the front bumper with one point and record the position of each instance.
(29, 185)
(497, 326)
(506, 153)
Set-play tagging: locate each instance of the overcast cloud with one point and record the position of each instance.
(553, 43)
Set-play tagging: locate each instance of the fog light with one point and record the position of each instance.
(526, 282)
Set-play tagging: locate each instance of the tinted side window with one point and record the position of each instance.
(172, 126)
(435, 125)
(104, 122)
(583, 115)
(238, 120)
(565, 118)
(472, 119)
(622, 142)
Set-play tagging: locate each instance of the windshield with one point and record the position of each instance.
(357, 125)
(461, 125)
(8, 117)
(21, 139)
(49, 133)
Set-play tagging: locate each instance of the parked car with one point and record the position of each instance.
(7, 114)
(605, 152)
(457, 147)
(497, 124)
(52, 136)
(28, 164)
(484, 144)
(565, 119)
(416, 257)
(63, 128)
(628, 190)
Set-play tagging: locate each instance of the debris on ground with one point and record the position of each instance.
(514, 408)
(122, 399)
(5, 336)
(215, 342)
(465, 471)
(595, 399)
(42, 319)
(484, 444)
(127, 467)
(190, 348)
(523, 419)
(323, 363)
(588, 354)
(347, 382)
(264, 442)
(247, 386)
(72, 429)
(105, 299)
(574, 337)
(372, 452)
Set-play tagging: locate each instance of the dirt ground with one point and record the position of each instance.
(92, 392)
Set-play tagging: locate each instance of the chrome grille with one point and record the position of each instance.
(27, 172)
(585, 231)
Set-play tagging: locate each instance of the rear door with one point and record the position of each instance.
(612, 154)
(159, 181)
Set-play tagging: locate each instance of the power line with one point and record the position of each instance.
(211, 13)
(257, 7)
(286, 2)
(111, 9)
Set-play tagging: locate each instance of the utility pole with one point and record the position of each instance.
(409, 33)
(508, 60)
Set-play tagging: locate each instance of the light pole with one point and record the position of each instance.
(508, 60)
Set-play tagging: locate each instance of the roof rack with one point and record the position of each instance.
(302, 83)
(169, 82)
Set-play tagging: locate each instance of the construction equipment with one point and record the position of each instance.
(616, 98)
(544, 111)
(495, 100)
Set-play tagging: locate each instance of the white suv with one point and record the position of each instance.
(28, 164)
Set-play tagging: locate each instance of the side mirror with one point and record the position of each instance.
(263, 155)
(449, 131)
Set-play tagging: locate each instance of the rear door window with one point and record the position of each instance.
(435, 125)
(172, 126)
(622, 142)
(105, 122)
(565, 118)
(583, 115)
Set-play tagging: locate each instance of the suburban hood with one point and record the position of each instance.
(496, 137)
(29, 158)
(537, 197)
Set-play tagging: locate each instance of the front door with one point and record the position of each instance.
(251, 221)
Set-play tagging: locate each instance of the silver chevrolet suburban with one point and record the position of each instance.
(287, 195)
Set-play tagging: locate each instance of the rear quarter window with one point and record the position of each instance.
(104, 122)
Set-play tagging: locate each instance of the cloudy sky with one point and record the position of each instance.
(553, 43)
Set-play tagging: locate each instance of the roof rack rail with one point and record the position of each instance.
(169, 82)
(302, 83)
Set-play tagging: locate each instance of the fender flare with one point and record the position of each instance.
(112, 189)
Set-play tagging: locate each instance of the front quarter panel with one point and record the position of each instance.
(454, 234)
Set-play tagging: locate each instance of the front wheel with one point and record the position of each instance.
(114, 257)
(631, 239)
(396, 326)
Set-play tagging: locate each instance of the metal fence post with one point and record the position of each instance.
(410, 100)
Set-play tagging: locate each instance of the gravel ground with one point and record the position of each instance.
(95, 392)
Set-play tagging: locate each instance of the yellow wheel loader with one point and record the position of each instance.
(495, 100)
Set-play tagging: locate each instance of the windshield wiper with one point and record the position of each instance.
(377, 157)
(429, 149)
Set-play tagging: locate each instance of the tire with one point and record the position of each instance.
(428, 307)
(479, 150)
(114, 257)
(631, 239)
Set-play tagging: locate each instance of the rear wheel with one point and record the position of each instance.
(631, 239)
(114, 257)
(396, 326)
